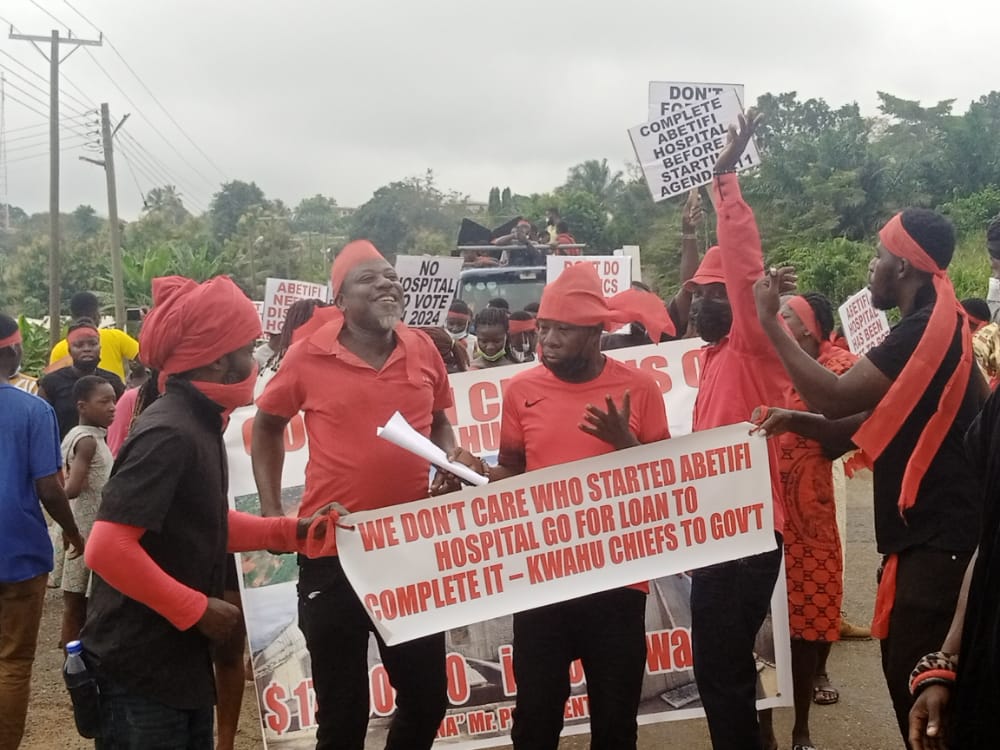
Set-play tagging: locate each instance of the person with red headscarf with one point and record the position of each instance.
(158, 547)
(613, 407)
(907, 405)
(349, 369)
(814, 565)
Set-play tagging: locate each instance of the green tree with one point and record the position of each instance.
(317, 214)
(596, 178)
(493, 205)
(230, 203)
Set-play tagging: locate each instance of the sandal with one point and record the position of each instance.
(803, 747)
(824, 694)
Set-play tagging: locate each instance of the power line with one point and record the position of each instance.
(73, 110)
(149, 155)
(78, 139)
(45, 135)
(26, 106)
(148, 90)
(50, 15)
(40, 154)
(158, 175)
(45, 125)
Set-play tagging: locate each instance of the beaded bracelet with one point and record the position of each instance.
(937, 668)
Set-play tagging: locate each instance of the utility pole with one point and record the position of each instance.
(107, 136)
(55, 277)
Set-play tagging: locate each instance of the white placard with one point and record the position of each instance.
(280, 294)
(560, 533)
(429, 286)
(864, 326)
(669, 96)
(677, 151)
(615, 270)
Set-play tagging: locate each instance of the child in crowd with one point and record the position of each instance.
(88, 463)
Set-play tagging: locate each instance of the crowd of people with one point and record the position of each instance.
(119, 498)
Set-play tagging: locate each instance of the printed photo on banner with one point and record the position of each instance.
(481, 686)
(615, 271)
(280, 294)
(864, 326)
(669, 96)
(678, 150)
(429, 286)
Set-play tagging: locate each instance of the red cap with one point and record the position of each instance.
(709, 270)
(353, 254)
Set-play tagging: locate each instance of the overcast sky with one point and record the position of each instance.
(342, 96)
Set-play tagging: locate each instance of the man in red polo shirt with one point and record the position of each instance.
(552, 415)
(351, 367)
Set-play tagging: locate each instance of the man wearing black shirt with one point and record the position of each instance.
(907, 404)
(57, 387)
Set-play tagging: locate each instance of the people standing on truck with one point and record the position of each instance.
(492, 328)
(522, 250)
(563, 237)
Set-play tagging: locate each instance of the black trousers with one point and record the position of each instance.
(336, 627)
(927, 586)
(729, 602)
(607, 632)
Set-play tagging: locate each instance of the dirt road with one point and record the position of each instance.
(862, 720)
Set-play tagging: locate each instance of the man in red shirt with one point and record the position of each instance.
(740, 371)
(550, 417)
(350, 368)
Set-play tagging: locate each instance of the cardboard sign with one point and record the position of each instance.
(864, 326)
(615, 270)
(429, 286)
(669, 96)
(560, 533)
(280, 294)
(677, 151)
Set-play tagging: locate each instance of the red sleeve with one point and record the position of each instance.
(442, 386)
(249, 532)
(653, 425)
(283, 395)
(742, 261)
(511, 435)
(114, 553)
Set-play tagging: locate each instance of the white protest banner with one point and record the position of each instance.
(280, 294)
(864, 326)
(615, 270)
(678, 150)
(669, 96)
(429, 286)
(560, 533)
(481, 685)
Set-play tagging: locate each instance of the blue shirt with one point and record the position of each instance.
(30, 437)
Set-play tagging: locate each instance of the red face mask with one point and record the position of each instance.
(229, 396)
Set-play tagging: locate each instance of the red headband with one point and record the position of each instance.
(83, 332)
(898, 403)
(801, 307)
(14, 338)
(522, 326)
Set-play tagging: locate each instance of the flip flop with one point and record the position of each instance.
(803, 747)
(824, 694)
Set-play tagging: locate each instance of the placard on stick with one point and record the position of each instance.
(280, 294)
(669, 96)
(615, 271)
(429, 286)
(864, 325)
(678, 150)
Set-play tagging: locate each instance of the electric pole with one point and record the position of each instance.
(107, 137)
(55, 277)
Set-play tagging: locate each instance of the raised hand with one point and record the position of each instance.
(738, 140)
(767, 291)
(693, 215)
(611, 426)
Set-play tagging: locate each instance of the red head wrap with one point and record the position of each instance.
(895, 407)
(803, 310)
(353, 254)
(522, 326)
(14, 338)
(192, 325)
(576, 298)
(709, 270)
(83, 332)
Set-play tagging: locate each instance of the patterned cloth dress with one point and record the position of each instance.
(814, 565)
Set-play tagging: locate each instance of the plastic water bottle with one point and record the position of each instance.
(83, 692)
